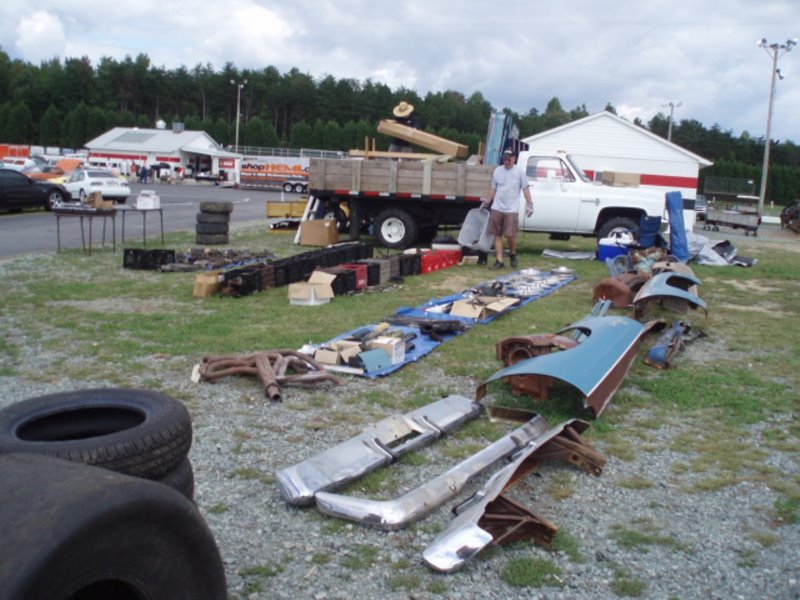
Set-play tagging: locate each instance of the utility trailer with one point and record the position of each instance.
(736, 213)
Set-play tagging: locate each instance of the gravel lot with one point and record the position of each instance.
(636, 530)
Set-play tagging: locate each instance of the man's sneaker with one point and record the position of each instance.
(498, 265)
(513, 260)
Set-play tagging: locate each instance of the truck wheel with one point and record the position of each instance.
(299, 188)
(618, 223)
(71, 531)
(136, 432)
(287, 187)
(395, 228)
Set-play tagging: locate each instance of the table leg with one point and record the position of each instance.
(123, 227)
(114, 233)
(144, 229)
(58, 231)
(91, 227)
(83, 236)
(161, 214)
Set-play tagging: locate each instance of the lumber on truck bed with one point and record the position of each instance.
(421, 138)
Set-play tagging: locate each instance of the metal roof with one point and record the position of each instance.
(134, 139)
(605, 133)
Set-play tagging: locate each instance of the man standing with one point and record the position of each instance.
(508, 181)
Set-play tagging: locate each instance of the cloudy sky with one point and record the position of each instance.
(638, 56)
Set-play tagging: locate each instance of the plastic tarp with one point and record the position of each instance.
(679, 247)
(437, 309)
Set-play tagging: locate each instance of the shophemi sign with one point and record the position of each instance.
(270, 171)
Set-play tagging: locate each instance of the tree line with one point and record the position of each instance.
(67, 103)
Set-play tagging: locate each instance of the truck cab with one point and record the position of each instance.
(567, 202)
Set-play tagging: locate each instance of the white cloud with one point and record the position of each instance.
(39, 36)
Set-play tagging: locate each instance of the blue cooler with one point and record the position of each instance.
(610, 250)
(614, 245)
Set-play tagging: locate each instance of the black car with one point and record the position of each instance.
(18, 191)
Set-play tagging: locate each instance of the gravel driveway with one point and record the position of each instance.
(645, 528)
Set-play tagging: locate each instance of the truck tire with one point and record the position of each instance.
(136, 432)
(181, 479)
(287, 187)
(212, 228)
(75, 532)
(619, 223)
(211, 239)
(395, 228)
(216, 207)
(213, 217)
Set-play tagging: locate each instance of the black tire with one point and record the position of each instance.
(136, 432)
(299, 188)
(212, 228)
(213, 217)
(181, 479)
(287, 187)
(216, 207)
(122, 200)
(74, 532)
(620, 223)
(211, 239)
(395, 228)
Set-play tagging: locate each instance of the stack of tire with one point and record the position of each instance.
(136, 432)
(113, 526)
(213, 222)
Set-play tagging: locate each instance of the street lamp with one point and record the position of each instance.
(672, 108)
(239, 85)
(775, 51)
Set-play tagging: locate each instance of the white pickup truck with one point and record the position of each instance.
(407, 201)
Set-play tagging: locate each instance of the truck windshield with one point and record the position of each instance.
(577, 169)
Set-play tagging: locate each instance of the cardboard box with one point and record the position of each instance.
(394, 347)
(319, 232)
(482, 307)
(207, 284)
(148, 200)
(621, 179)
(317, 290)
(327, 356)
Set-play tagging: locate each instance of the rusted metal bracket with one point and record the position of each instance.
(508, 521)
(274, 368)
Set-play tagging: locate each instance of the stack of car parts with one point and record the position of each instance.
(497, 520)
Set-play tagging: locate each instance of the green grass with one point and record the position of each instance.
(643, 533)
(532, 572)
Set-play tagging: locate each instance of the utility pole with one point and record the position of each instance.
(239, 85)
(672, 107)
(774, 51)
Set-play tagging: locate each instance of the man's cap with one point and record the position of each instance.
(508, 153)
(403, 109)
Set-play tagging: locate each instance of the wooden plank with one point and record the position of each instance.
(422, 138)
(398, 155)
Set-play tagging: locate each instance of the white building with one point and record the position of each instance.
(605, 142)
(185, 151)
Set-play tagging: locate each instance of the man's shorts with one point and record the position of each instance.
(502, 223)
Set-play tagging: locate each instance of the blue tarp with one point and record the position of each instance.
(678, 245)
(423, 344)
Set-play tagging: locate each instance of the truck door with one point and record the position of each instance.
(556, 195)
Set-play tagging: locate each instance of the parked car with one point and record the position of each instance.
(18, 191)
(701, 207)
(41, 173)
(17, 163)
(83, 182)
